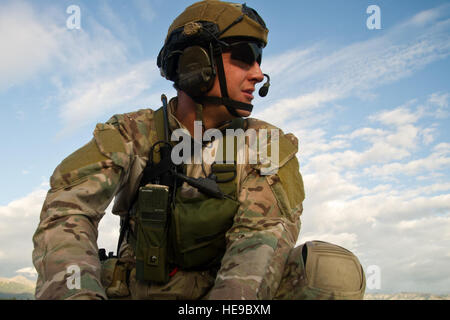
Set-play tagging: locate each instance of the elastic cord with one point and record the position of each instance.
(221, 72)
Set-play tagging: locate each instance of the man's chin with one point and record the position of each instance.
(243, 113)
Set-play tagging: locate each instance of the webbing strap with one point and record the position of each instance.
(229, 103)
(159, 123)
(146, 176)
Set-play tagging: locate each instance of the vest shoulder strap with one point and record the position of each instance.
(159, 123)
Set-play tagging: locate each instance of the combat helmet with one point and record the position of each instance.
(195, 41)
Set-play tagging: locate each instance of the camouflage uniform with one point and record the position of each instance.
(259, 263)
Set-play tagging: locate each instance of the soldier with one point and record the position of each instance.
(207, 230)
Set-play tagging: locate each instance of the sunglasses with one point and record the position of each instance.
(247, 52)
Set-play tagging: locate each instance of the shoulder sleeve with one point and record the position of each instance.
(82, 187)
(265, 229)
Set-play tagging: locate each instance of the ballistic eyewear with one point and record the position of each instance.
(247, 52)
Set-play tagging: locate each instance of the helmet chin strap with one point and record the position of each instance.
(225, 100)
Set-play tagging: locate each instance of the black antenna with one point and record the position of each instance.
(166, 120)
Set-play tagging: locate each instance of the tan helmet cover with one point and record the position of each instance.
(222, 14)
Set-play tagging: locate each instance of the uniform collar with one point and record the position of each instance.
(174, 123)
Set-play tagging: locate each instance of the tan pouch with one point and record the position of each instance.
(183, 285)
(114, 278)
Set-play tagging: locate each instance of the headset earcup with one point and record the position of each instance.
(195, 72)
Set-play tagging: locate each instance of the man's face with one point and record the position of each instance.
(241, 79)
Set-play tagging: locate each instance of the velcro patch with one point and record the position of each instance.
(109, 139)
(292, 182)
(77, 166)
(269, 163)
(111, 144)
(86, 155)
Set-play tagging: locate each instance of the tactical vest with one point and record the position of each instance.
(192, 236)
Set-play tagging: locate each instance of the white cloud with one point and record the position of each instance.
(282, 64)
(146, 12)
(89, 100)
(29, 272)
(368, 134)
(25, 207)
(439, 103)
(18, 222)
(426, 16)
(439, 159)
(313, 141)
(20, 115)
(28, 46)
(428, 135)
(311, 78)
(430, 189)
(89, 67)
(439, 99)
(126, 32)
(108, 231)
(84, 55)
(396, 229)
(299, 105)
(397, 117)
(401, 227)
(388, 149)
(411, 168)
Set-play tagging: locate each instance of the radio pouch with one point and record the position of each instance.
(152, 228)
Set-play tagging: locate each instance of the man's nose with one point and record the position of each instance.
(255, 73)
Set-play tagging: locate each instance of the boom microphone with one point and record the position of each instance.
(265, 88)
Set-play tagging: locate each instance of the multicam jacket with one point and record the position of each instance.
(264, 230)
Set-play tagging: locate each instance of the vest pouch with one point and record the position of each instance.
(198, 228)
(152, 231)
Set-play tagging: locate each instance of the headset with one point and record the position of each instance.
(197, 70)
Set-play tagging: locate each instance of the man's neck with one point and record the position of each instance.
(187, 109)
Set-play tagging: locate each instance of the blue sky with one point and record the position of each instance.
(370, 109)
